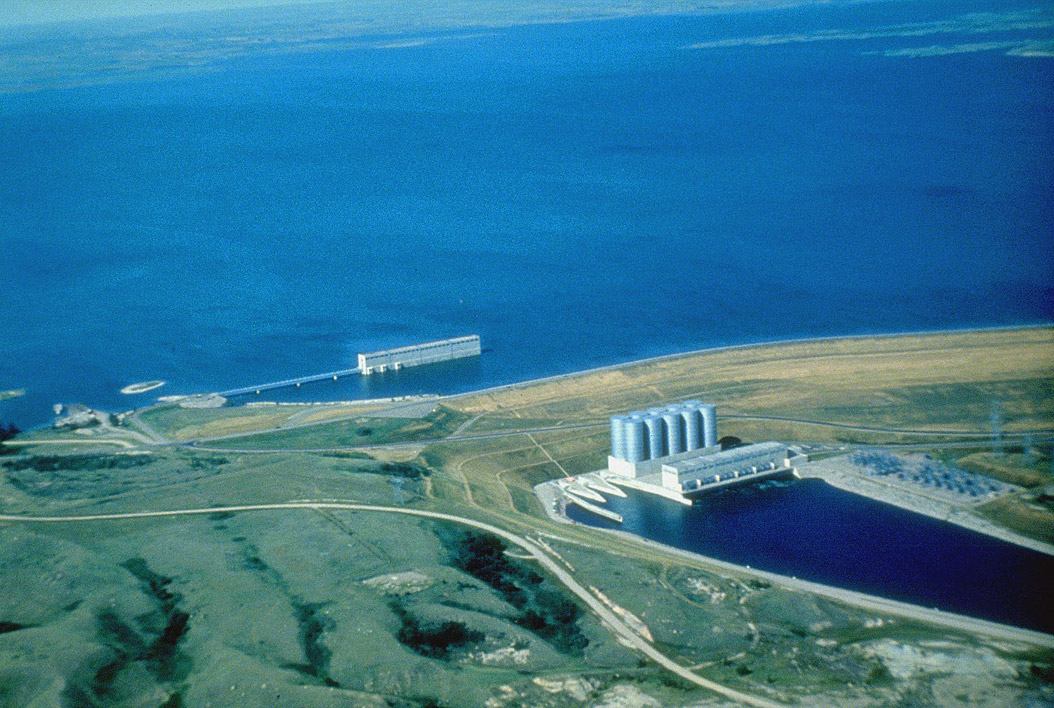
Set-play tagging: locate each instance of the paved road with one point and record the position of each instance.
(148, 430)
(82, 442)
(197, 444)
(614, 623)
(905, 431)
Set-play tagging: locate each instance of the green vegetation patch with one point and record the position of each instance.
(396, 470)
(1022, 469)
(1021, 515)
(69, 463)
(187, 423)
(436, 640)
(345, 455)
(85, 476)
(544, 610)
(353, 432)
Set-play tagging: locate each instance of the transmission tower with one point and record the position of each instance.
(996, 419)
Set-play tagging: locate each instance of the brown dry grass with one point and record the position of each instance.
(1021, 515)
(932, 381)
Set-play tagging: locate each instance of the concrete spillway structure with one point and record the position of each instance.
(418, 354)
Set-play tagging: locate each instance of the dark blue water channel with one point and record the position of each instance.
(814, 531)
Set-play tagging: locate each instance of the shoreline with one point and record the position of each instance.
(752, 345)
(766, 344)
(918, 503)
(951, 620)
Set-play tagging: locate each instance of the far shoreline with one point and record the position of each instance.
(627, 363)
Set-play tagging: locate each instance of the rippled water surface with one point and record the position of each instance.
(578, 194)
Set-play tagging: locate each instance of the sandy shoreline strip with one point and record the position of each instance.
(141, 387)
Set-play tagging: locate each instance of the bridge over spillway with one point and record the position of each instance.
(334, 375)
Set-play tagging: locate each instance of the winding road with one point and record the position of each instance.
(623, 632)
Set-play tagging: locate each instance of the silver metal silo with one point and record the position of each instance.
(693, 427)
(636, 439)
(674, 432)
(709, 413)
(656, 448)
(618, 436)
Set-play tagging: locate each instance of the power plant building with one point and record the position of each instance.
(737, 463)
(675, 448)
(642, 440)
(418, 354)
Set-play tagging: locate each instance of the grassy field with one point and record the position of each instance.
(919, 390)
(191, 610)
(939, 382)
(358, 431)
(184, 424)
(299, 427)
(320, 608)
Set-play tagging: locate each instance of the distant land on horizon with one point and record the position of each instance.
(35, 12)
(44, 12)
(66, 43)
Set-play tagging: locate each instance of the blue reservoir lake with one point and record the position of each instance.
(811, 530)
(579, 194)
